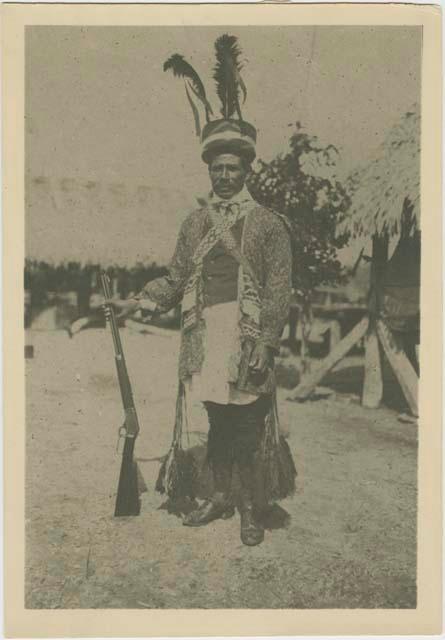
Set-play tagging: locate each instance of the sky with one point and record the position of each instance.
(100, 110)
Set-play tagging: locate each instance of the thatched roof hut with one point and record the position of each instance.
(97, 221)
(386, 204)
(379, 189)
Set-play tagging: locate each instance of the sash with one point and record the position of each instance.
(221, 230)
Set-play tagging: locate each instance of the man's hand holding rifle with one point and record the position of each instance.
(127, 307)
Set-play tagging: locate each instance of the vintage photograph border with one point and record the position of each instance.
(426, 619)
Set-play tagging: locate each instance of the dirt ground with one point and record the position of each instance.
(347, 539)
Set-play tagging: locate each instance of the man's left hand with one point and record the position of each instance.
(260, 359)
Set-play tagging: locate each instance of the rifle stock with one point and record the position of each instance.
(127, 499)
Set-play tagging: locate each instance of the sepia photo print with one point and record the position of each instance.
(222, 313)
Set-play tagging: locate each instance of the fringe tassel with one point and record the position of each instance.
(278, 465)
(178, 475)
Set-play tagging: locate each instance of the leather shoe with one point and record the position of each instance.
(252, 532)
(208, 512)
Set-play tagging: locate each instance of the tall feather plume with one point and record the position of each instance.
(229, 84)
(183, 69)
(194, 110)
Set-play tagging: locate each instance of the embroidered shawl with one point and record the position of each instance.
(265, 287)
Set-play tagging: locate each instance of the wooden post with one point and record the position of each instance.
(378, 270)
(373, 383)
(308, 384)
(334, 334)
(400, 364)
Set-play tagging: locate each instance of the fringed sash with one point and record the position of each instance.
(180, 474)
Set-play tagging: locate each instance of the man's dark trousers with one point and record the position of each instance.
(235, 437)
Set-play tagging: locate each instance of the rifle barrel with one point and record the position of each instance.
(127, 499)
(113, 323)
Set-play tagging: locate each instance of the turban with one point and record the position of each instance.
(228, 136)
(231, 133)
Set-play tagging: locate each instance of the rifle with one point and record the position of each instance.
(127, 500)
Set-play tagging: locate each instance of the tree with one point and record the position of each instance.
(302, 184)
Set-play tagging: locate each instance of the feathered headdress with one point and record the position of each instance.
(193, 83)
(232, 93)
(229, 83)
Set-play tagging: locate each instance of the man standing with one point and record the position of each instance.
(231, 272)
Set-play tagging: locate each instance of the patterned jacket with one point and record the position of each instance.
(267, 249)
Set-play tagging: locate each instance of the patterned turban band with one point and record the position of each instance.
(228, 136)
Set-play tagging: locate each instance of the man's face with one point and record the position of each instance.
(227, 174)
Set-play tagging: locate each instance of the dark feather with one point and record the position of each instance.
(229, 83)
(194, 111)
(242, 86)
(183, 69)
